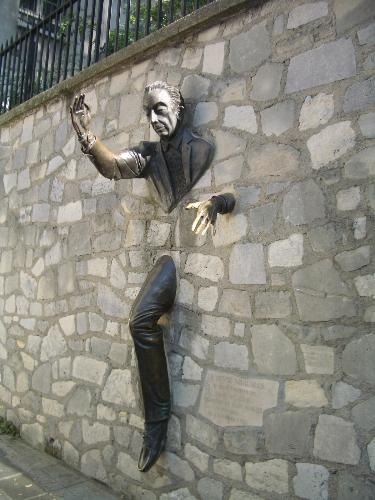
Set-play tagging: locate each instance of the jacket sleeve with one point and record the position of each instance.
(128, 164)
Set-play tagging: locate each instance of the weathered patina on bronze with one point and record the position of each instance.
(171, 167)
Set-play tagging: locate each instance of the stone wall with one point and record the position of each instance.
(271, 343)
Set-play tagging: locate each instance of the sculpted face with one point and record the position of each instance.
(161, 112)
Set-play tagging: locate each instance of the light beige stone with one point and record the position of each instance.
(205, 266)
(231, 401)
(213, 58)
(318, 359)
(286, 253)
(271, 475)
(305, 393)
(331, 143)
(89, 369)
(316, 111)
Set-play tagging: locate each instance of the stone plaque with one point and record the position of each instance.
(231, 401)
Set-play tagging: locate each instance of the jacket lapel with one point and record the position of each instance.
(185, 153)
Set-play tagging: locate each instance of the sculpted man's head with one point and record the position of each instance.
(164, 106)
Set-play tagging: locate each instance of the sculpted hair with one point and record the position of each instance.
(174, 92)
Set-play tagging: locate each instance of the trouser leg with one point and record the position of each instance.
(154, 299)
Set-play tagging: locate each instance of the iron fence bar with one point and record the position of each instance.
(137, 16)
(11, 76)
(3, 65)
(70, 21)
(183, 8)
(76, 29)
(148, 17)
(160, 13)
(35, 59)
(47, 54)
(83, 34)
(18, 73)
(171, 11)
(91, 32)
(54, 52)
(127, 23)
(118, 13)
(7, 71)
(59, 61)
(108, 27)
(40, 62)
(23, 80)
(98, 30)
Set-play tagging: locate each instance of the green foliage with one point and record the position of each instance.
(8, 428)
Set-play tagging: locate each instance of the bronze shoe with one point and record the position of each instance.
(154, 439)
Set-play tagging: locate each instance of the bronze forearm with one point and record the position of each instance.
(225, 202)
(104, 160)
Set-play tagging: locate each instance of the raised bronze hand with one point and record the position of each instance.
(80, 115)
(206, 216)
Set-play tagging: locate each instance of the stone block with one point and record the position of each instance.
(331, 143)
(33, 434)
(262, 219)
(246, 264)
(343, 394)
(266, 83)
(360, 96)
(336, 441)
(229, 229)
(107, 242)
(228, 469)
(369, 62)
(205, 112)
(306, 13)
(53, 344)
(348, 199)
(361, 165)
(202, 432)
(184, 395)
(195, 87)
(92, 465)
(227, 145)
(354, 259)
(363, 415)
(305, 394)
(192, 57)
(241, 441)
(215, 326)
(229, 355)
(352, 487)
(273, 162)
(351, 13)
(286, 253)
(249, 49)
(191, 370)
(79, 239)
(235, 302)
(365, 285)
(289, 433)
(118, 388)
(213, 58)
(272, 305)
(89, 370)
(158, 233)
(318, 359)
(241, 117)
(228, 170)
(205, 266)
(233, 91)
(135, 233)
(367, 125)
(210, 489)
(273, 352)
(367, 35)
(271, 476)
(371, 454)
(109, 303)
(231, 401)
(278, 118)
(40, 212)
(130, 110)
(311, 481)
(327, 63)
(197, 457)
(207, 298)
(321, 294)
(41, 379)
(316, 111)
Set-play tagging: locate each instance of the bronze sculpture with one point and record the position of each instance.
(171, 167)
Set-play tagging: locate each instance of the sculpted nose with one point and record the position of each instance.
(153, 117)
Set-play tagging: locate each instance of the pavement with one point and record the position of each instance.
(26, 473)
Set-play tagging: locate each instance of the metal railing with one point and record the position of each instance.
(76, 35)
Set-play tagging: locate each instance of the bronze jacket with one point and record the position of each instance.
(147, 160)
